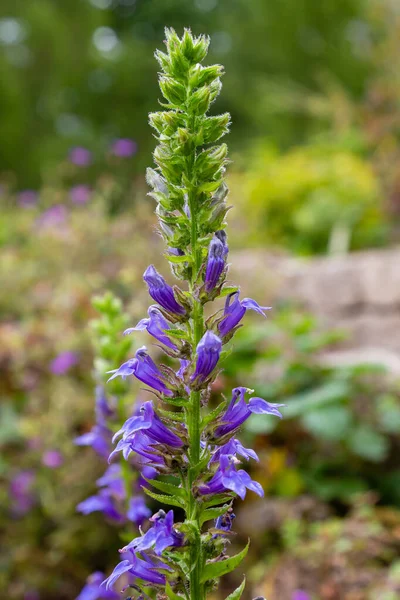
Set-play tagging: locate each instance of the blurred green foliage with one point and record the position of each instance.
(341, 423)
(313, 199)
(82, 71)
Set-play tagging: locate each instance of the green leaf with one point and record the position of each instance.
(325, 394)
(177, 401)
(178, 259)
(226, 290)
(168, 488)
(238, 592)
(177, 333)
(217, 499)
(213, 513)
(330, 422)
(174, 416)
(369, 444)
(214, 414)
(171, 594)
(217, 569)
(171, 500)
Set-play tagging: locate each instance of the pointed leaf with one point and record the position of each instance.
(238, 592)
(171, 594)
(214, 414)
(217, 569)
(171, 500)
(178, 259)
(217, 499)
(213, 513)
(168, 488)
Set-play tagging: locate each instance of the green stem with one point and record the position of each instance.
(194, 417)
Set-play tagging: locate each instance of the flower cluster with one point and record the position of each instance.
(173, 433)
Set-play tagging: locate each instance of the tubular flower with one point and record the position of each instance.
(152, 426)
(161, 536)
(144, 369)
(232, 448)
(156, 325)
(227, 478)
(225, 521)
(217, 252)
(208, 352)
(161, 292)
(235, 310)
(93, 591)
(239, 411)
(137, 568)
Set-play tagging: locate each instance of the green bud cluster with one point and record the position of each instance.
(192, 166)
(109, 346)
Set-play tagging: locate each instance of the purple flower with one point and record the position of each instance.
(300, 595)
(208, 351)
(238, 411)
(225, 522)
(234, 311)
(227, 478)
(103, 409)
(217, 252)
(108, 498)
(137, 568)
(80, 194)
(93, 591)
(138, 512)
(124, 148)
(99, 438)
(27, 198)
(63, 362)
(142, 445)
(182, 369)
(53, 216)
(52, 459)
(156, 325)
(161, 292)
(232, 448)
(161, 536)
(79, 156)
(148, 422)
(145, 369)
(21, 492)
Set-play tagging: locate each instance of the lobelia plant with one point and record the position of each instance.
(194, 450)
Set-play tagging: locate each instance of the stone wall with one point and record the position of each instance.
(359, 292)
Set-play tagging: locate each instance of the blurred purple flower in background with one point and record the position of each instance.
(93, 591)
(79, 156)
(124, 148)
(63, 362)
(27, 198)
(21, 492)
(300, 595)
(32, 595)
(80, 194)
(52, 459)
(53, 216)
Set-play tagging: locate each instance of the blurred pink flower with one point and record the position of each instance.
(124, 148)
(82, 157)
(27, 198)
(21, 492)
(52, 459)
(63, 362)
(80, 194)
(53, 216)
(300, 595)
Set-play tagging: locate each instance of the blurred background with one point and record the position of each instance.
(314, 93)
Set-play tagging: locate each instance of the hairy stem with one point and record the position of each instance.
(196, 589)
